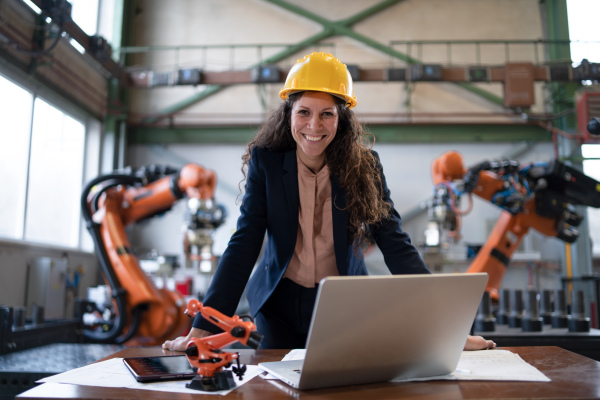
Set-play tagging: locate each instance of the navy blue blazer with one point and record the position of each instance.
(270, 205)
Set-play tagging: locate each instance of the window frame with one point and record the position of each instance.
(91, 151)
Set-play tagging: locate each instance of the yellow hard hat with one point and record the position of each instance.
(320, 72)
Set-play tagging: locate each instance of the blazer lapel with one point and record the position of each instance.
(340, 226)
(290, 183)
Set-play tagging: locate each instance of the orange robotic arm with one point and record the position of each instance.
(536, 196)
(205, 354)
(143, 310)
(144, 201)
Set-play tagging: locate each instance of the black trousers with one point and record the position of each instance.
(285, 318)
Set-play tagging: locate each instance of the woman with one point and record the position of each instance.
(320, 195)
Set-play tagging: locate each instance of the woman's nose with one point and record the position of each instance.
(315, 122)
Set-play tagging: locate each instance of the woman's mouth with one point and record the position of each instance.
(313, 138)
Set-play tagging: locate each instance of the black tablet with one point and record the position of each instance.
(151, 369)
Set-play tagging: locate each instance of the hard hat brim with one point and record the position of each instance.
(320, 72)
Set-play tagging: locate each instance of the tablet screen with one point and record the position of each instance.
(146, 369)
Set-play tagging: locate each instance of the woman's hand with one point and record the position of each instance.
(479, 343)
(180, 343)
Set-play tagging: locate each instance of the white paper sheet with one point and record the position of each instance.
(113, 373)
(496, 365)
(483, 365)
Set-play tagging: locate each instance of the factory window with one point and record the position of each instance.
(41, 169)
(55, 176)
(85, 15)
(583, 30)
(591, 167)
(15, 114)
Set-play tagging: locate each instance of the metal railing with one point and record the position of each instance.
(445, 52)
(216, 57)
(535, 51)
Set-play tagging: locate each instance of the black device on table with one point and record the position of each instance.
(152, 369)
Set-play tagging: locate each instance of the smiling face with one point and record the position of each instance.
(314, 122)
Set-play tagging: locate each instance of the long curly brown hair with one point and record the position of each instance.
(348, 156)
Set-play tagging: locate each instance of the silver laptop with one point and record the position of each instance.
(367, 329)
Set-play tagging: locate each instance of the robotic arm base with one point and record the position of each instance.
(220, 381)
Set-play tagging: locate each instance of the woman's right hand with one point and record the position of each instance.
(180, 343)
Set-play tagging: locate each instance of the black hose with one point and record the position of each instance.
(119, 180)
(96, 199)
(15, 46)
(133, 327)
(118, 292)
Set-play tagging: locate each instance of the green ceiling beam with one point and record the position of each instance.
(166, 113)
(342, 28)
(459, 133)
(184, 135)
(413, 133)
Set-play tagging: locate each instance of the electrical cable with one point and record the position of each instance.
(15, 46)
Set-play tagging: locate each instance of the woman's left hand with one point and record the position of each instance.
(479, 343)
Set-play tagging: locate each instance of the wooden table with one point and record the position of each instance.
(573, 376)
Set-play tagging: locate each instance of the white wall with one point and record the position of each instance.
(16, 257)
